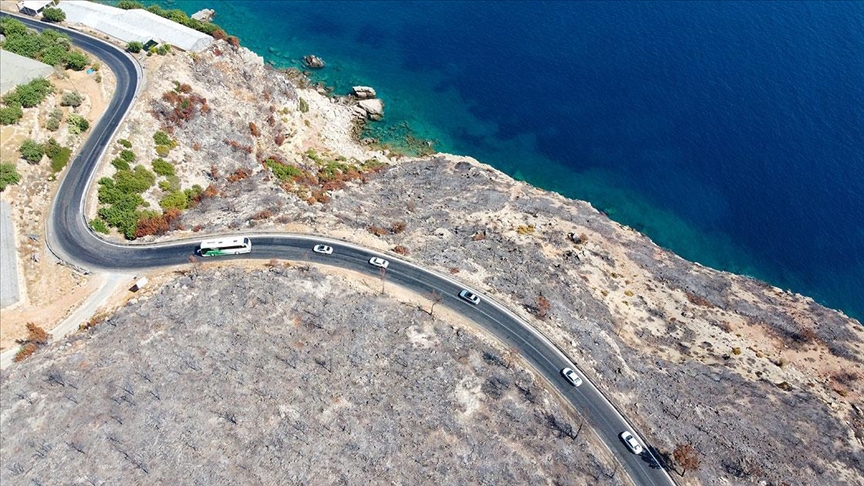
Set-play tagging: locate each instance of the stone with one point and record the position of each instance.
(363, 92)
(374, 108)
(313, 62)
(204, 15)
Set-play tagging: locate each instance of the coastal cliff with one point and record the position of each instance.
(763, 383)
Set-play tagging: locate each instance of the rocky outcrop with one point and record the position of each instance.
(373, 109)
(204, 15)
(363, 92)
(313, 62)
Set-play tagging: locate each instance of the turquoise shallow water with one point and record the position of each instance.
(729, 132)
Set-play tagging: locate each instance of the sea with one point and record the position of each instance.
(729, 132)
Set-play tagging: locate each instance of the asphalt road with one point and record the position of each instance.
(71, 240)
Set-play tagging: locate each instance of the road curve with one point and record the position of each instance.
(70, 238)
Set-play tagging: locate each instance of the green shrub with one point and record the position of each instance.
(136, 180)
(162, 138)
(175, 200)
(127, 155)
(162, 167)
(304, 107)
(31, 151)
(8, 175)
(283, 172)
(77, 124)
(76, 61)
(163, 150)
(129, 4)
(9, 115)
(71, 98)
(30, 94)
(54, 55)
(52, 14)
(58, 154)
(125, 143)
(122, 218)
(193, 192)
(134, 47)
(120, 164)
(99, 226)
(163, 49)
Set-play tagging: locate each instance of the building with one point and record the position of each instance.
(15, 70)
(134, 25)
(33, 7)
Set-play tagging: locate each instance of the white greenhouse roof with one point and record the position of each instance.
(34, 5)
(15, 70)
(134, 25)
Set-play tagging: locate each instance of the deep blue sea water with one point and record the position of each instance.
(729, 132)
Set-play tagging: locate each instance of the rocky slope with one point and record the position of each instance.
(763, 383)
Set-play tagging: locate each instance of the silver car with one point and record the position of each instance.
(323, 249)
(631, 442)
(469, 297)
(571, 376)
(378, 262)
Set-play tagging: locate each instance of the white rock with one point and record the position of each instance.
(363, 92)
(374, 108)
(204, 15)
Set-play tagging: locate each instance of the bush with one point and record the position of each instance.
(71, 98)
(99, 226)
(52, 14)
(137, 180)
(120, 164)
(54, 119)
(134, 47)
(76, 61)
(31, 151)
(30, 94)
(162, 167)
(54, 55)
(304, 107)
(125, 143)
(10, 115)
(129, 5)
(283, 172)
(127, 155)
(163, 150)
(170, 184)
(77, 124)
(175, 200)
(8, 175)
(58, 154)
(162, 138)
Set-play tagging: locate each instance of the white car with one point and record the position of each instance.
(469, 296)
(323, 249)
(378, 262)
(631, 442)
(571, 376)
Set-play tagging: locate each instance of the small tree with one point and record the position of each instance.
(75, 61)
(435, 297)
(687, 457)
(134, 47)
(543, 306)
(53, 14)
(31, 151)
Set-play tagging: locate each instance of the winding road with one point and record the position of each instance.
(71, 240)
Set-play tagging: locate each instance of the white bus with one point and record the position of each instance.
(225, 246)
